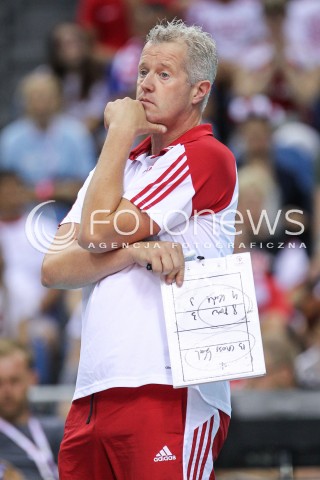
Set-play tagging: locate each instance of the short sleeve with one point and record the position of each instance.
(191, 178)
(74, 215)
(165, 190)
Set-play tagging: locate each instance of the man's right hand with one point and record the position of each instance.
(165, 258)
(128, 115)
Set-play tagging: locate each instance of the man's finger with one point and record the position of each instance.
(170, 278)
(176, 276)
(167, 264)
(180, 277)
(156, 265)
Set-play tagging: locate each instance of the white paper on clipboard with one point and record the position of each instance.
(212, 322)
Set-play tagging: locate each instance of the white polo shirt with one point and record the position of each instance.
(124, 340)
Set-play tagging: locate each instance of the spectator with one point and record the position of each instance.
(27, 307)
(4, 301)
(124, 66)
(291, 168)
(51, 152)
(237, 25)
(25, 442)
(307, 363)
(279, 352)
(277, 68)
(84, 86)
(259, 196)
(68, 374)
(108, 21)
(259, 199)
(302, 29)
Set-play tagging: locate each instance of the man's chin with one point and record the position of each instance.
(154, 119)
(11, 414)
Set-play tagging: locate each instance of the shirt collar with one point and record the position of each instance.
(187, 137)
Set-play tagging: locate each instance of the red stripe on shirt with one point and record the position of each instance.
(163, 185)
(164, 174)
(169, 190)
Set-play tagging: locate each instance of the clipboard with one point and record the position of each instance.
(212, 322)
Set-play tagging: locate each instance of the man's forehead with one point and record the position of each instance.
(164, 52)
(13, 360)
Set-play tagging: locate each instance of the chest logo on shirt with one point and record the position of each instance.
(147, 169)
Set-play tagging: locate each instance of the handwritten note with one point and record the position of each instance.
(212, 322)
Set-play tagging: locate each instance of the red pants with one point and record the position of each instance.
(140, 434)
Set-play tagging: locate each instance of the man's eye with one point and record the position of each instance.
(164, 75)
(143, 73)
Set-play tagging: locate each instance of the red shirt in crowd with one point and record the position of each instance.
(108, 19)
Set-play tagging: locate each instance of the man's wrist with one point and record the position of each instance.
(119, 132)
(132, 250)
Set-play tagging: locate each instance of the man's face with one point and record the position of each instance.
(42, 99)
(163, 87)
(13, 197)
(256, 133)
(15, 380)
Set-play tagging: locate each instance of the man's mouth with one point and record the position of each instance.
(145, 100)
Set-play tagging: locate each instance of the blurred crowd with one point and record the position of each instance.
(265, 106)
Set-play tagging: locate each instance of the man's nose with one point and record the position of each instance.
(147, 83)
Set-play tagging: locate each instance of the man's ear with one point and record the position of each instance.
(200, 90)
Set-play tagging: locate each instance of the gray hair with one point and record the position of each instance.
(202, 60)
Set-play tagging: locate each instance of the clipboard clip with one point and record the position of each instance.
(201, 259)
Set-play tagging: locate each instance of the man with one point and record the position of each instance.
(52, 152)
(23, 439)
(26, 304)
(176, 185)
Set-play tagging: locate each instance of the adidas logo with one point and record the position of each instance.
(164, 455)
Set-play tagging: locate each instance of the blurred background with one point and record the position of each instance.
(61, 62)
